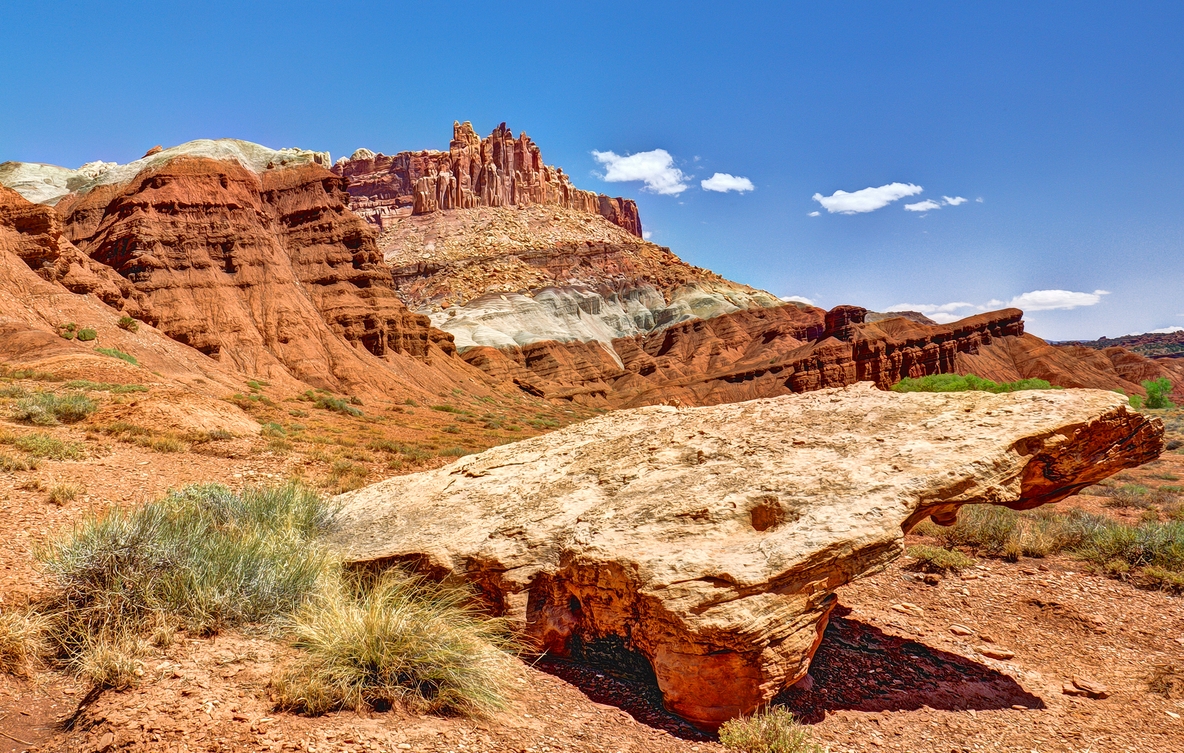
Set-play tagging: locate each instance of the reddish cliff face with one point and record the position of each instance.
(498, 171)
(269, 272)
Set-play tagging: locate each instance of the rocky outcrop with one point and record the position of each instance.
(712, 540)
(500, 170)
(255, 262)
(46, 282)
(750, 353)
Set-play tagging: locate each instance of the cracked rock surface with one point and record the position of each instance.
(712, 540)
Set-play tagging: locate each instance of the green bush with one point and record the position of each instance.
(48, 409)
(959, 383)
(403, 641)
(773, 730)
(86, 335)
(127, 323)
(337, 405)
(117, 353)
(1157, 394)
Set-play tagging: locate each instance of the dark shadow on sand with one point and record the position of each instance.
(857, 667)
(860, 667)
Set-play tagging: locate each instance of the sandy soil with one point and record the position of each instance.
(893, 672)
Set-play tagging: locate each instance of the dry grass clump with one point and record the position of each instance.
(10, 463)
(933, 559)
(1114, 546)
(1167, 680)
(204, 558)
(121, 431)
(21, 641)
(772, 730)
(39, 445)
(402, 641)
(49, 409)
(1137, 496)
(60, 494)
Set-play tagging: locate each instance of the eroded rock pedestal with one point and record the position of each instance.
(711, 540)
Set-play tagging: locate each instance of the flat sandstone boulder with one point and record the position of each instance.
(711, 540)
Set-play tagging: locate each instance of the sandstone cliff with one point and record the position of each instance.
(500, 170)
(258, 264)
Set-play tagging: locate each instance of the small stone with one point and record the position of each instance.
(910, 609)
(1019, 707)
(1086, 688)
(996, 652)
(961, 630)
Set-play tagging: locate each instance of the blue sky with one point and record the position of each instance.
(1066, 119)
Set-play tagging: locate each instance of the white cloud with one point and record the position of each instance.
(979, 200)
(1049, 300)
(1035, 300)
(923, 206)
(797, 299)
(814, 214)
(953, 201)
(929, 308)
(866, 199)
(1160, 331)
(656, 168)
(646, 234)
(722, 182)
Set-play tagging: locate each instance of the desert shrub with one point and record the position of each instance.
(127, 323)
(772, 730)
(204, 557)
(60, 494)
(118, 389)
(933, 559)
(218, 435)
(48, 409)
(297, 413)
(1136, 496)
(403, 641)
(345, 476)
(272, 429)
(959, 383)
(44, 446)
(446, 408)
(337, 405)
(86, 335)
(21, 641)
(117, 353)
(1157, 394)
(13, 390)
(10, 463)
(455, 452)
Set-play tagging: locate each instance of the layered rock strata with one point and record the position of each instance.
(500, 170)
(712, 540)
(253, 258)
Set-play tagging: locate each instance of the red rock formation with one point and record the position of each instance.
(269, 272)
(745, 355)
(498, 171)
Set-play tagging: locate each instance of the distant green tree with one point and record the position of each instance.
(1157, 393)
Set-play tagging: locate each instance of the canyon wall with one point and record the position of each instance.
(500, 170)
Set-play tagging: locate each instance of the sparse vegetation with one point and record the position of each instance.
(44, 446)
(1115, 547)
(60, 494)
(772, 730)
(10, 463)
(117, 353)
(127, 433)
(49, 409)
(127, 323)
(959, 383)
(403, 641)
(933, 559)
(337, 405)
(117, 389)
(86, 335)
(21, 641)
(204, 557)
(68, 330)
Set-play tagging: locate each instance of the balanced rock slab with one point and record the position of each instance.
(712, 540)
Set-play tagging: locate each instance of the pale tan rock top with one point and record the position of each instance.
(712, 539)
